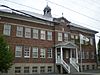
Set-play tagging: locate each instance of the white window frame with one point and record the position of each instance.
(59, 36)
(18, 50)
(42, 53)
(27, 52)
(35, 33)
(34, 52)
(49, 35)
(27, 32)
(43, 34)
(19, 31)
(49, 53)
(7, 29)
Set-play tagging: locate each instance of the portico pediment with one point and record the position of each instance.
(66, 45)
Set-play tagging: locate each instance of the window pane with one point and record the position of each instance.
(19, 32)
(43, 34)
(91, 41)
(49, 69)
(59, 36)
(49, 53)
(42, 53)
(18, 51)
(42, 69)
(26, 69)
(17, 69)
(72, 36)
(35, 52)
(7, 29)
(26, 52)
(34, 69)
(49, 35)
(65, 37)
(28, 32)
(35, 33)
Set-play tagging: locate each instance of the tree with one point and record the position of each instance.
(99, 50)
(6, 55)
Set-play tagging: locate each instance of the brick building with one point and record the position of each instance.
(43, 44)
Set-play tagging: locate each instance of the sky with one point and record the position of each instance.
(82, 12)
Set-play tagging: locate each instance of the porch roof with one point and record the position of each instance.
(66, 44)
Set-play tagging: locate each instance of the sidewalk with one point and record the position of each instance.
(88, 72)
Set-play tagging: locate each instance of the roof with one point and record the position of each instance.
(41, 17)
(26, 13)
(82, 27)
(66, 44)
(38, 15)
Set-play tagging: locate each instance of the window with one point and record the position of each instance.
(34, 69)
(59, 36)
(28, 32)
(87, 67)
(26, 69)
(42, 69)
(87, 55)
(43, 35)
(91, 41)
(35, 52)
(49, 69)
(93, 66)
(76, 36)
(19, 32)
(72, 36)
(83, 67)
(18, 51)
(17, 69)
(65, 37)
(35, 33)
(49, 53)
(42, 53)
(26, 52)
(49, 35)
(83, 56)
(92, 55)
(7, 29)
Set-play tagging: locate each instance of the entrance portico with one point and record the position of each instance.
(66, 53)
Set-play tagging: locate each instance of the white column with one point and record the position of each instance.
(77, 55)
(61, 53)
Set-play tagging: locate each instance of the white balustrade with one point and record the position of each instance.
(73, 61)
(65, 65)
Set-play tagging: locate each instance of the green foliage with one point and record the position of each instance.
(6, 55)
(99, 50)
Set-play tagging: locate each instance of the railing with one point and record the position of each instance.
(65, 65)
(73, 61)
